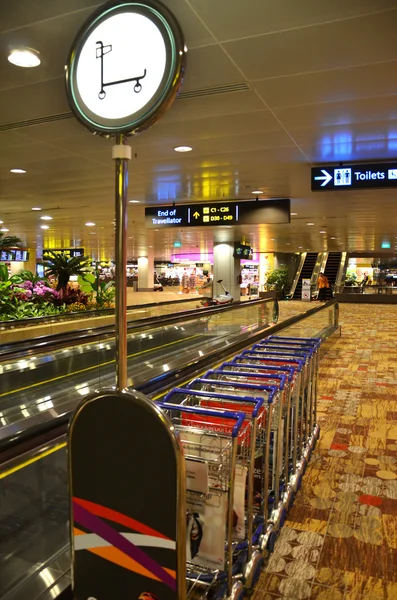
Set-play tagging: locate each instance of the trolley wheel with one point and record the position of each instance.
(238, 591)
(252, 571)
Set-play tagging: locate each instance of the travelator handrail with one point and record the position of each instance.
(56, 341)
(47, 432)
(86, 314)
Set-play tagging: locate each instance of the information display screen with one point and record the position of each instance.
(70, 252)
(14, 255)
(218, 213)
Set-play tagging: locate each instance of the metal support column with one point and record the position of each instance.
(121, 153)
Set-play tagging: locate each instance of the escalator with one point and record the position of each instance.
(34, 507)
(306, 273)
(332, 266)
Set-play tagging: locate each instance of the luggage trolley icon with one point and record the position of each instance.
(101, 51)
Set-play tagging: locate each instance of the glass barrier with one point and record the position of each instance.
(15, 331)
(42, 386)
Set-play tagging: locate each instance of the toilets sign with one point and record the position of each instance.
(354, 177)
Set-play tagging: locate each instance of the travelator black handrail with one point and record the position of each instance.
(56, 341)
(86, 314)
(28, 440)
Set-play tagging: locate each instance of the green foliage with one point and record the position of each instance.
(28, 310)
(351, 278)
(62, 267)
(278, 278)
(9, 241)
(105, 291)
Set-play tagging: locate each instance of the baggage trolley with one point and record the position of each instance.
(220, 381)
(247, 559)
(306, 353)
(212, 440)
(275, 510)
(299, 418)
(315, 343)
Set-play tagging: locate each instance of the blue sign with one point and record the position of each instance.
(177, 244)
(350, 177)
(385, 245)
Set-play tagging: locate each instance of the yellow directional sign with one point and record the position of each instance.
(196, 215)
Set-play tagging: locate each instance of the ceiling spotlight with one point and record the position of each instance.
(287, 244)
(18, 171)
(1, 222)
(333, 238)
(272, 239)
(257, 192)
(24, 57)
(309, 223)
(322, 231)
(90, 224)
(183, 149)
(46, 218)
(134, 201)
(36, 208)
(294, 214)
(4, 229)
(300, 246)
(44, 226)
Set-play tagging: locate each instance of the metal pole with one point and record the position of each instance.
(121, 153)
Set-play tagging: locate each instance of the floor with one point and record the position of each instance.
(340, 539)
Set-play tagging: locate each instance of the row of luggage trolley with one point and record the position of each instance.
(248, 429)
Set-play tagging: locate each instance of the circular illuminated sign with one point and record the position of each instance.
(125, 67)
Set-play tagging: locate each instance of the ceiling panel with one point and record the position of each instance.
(329, 46)
(209, 66)
(329, 86)
(34, 101)
(345, 134)
(256, 17)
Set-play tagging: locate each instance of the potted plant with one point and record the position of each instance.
(62, 267)
(9, 241)
(277, 280)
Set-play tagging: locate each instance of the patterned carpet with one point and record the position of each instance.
(340, 539)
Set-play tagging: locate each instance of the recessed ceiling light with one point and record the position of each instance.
(18, 171)
(300, 246)
(46, 218)
(4, 230)
(92, 232)
(257, 192)
(24, 57)
(90, 224)
(309, 223)
(322, 231)
(287, 244)
(183, 149)
(1, 222)
(333, 238)
(272, 239)
(44, 226)
(134, 201)
(294, 214)
(36, 208)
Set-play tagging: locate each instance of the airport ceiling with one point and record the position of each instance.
(271, 89)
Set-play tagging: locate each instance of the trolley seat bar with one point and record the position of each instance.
(286, 348)
(277, 359)
(270, 389)
(313, 341)
(237, 416)
(225, 369)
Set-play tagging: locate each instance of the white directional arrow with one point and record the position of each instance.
(327, 178)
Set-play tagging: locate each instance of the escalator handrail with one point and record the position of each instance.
(29, 439)
(56, 341)
(75, 316)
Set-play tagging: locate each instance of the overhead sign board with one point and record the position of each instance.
(218, 213)
(14, 255)
(70, 252)
(354, 177)
(125, 67)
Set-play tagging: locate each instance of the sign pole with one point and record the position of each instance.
(121, 153)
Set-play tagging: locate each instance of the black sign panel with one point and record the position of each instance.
(127, 482)
(218, 213)
(354, 177)
(71, 252)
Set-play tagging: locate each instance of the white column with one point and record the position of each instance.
(227, 268)
(146, 272)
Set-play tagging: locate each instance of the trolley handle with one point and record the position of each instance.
(314, 341)
(283, 350)
(274, 358)
(289, 347)
(258, 401)
(280, 376)
(270, 389)
(237, 416)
